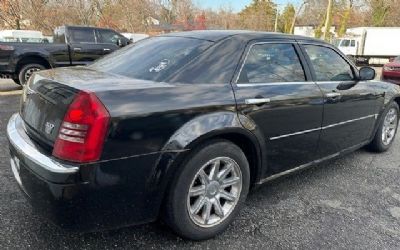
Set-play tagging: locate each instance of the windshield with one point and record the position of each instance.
(153, 59)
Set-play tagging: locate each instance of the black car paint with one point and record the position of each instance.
(54, 55)
(155, 126)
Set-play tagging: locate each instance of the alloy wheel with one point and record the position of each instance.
(389, 126)
(214, 192)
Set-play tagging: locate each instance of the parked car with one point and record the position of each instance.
(72, 45)
(391, 71)
(182, 125)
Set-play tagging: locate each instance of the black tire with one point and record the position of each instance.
(176, 210)
(27, 67)
(16, 80)
(377, 144)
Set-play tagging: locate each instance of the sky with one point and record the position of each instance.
(238, 5)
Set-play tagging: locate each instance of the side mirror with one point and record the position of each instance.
(367, 73)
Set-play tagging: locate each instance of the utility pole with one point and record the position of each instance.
(295, 16)
(327, 26)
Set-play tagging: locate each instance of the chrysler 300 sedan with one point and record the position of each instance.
(180, 127)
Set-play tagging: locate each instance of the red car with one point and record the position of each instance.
(391, 71)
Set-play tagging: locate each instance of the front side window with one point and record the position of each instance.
(154, 59)
(108, 36)
(328, 64)
(81, 35)
(269, 63)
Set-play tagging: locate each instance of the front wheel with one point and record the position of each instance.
(207, 194)
(387, 129)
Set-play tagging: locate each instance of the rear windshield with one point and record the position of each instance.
(153, 59)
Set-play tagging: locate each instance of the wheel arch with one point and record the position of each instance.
(220, 125)
(32, 58)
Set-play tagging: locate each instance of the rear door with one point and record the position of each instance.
(349, 109)
(83, 46)
(274, 88)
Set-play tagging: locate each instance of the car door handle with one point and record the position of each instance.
(257, 100)
(333, 95)
(77, 49)
(106, 49)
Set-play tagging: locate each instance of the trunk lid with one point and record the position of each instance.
(49, 93)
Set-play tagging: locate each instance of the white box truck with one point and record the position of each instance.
(371, 45)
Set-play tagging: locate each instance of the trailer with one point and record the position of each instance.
(31, 36)
(371, 45)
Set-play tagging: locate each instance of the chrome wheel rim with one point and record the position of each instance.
(214, 192)
(389, 126)
(29, 72)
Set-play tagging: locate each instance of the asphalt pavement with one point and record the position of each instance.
(349, 203)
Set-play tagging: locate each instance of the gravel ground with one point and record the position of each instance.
(350, 203)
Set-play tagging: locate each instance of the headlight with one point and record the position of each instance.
(387, 68)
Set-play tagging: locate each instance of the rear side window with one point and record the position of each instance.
(328, 64)
(81, 35)
(353, 43)
(154, 59)
(59, 35)
(268, 63)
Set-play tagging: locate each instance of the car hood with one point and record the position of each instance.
(393, 64)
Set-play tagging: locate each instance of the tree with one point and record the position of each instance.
(345, 18)
(10, 13)
(328, 21)
(379, 9)
(286, 18)
(259, 15)
(200, 22)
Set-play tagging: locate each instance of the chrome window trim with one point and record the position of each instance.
(241, 85)
(269, 42)
(323, 128)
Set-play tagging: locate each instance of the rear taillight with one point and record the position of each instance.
(83, 130)
(6, 47)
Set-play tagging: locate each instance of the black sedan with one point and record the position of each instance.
(181, 126)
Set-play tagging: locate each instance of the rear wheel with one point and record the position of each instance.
(206, 196)
(27, 70)
(386, 132)
(16, 80)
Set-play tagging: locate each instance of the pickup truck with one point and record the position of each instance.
(72, 45)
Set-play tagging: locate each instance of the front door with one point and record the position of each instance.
(349, 109)
(275, 90)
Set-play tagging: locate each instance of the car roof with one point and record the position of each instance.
(216, 35)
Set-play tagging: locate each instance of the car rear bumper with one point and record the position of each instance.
(87, 197)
